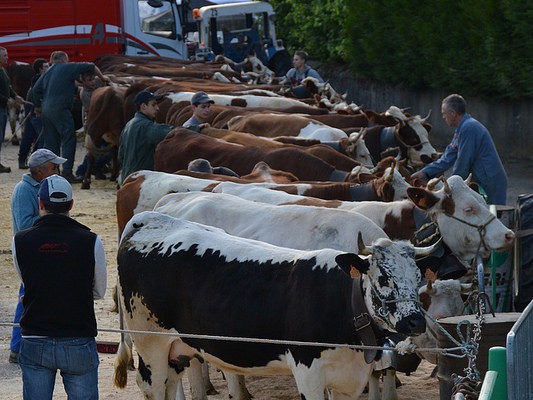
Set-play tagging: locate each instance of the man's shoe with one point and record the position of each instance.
(13, 357)
(71, 178)
(23, 165)
(4, 169)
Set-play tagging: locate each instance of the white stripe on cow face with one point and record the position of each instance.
(165, 233)
(394, 274)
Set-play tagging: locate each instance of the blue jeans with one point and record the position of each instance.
(76, 358)
(32, 130)
(15, 335)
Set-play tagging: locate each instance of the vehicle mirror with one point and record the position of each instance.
(155, 3)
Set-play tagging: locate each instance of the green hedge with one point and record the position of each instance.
(474, 47)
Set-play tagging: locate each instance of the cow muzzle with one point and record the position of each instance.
(414, 324)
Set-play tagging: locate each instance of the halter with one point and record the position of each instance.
(480, 229)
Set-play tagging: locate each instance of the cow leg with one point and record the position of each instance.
(86, 184)
(13, 114)
(210, 389)
(389, 385)
(196, 381)
(115, 169)
(373, 386)
(151, 377)
(310, 382)
(237, 387)
(174, 389)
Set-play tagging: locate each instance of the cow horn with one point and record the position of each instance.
(387, 177)
(354, 137)
(364, 250)
(424, 251)
(429, 287)
(404, 109)
(469, 178)
(431, 184)
(466, 287)
(447, 189)
(427, 116)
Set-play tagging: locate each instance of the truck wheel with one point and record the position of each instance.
(280, 63)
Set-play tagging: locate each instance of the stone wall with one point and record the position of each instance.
(510, 123)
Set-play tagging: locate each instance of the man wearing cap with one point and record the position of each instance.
(63, 269)
(201, 106)
(141, 135)
(54, 94)
(24, 211)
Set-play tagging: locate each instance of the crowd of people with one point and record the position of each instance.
(58, 258)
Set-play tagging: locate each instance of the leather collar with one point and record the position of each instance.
(363, 323)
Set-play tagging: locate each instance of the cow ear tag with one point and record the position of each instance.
(430, 275)
(354, 272)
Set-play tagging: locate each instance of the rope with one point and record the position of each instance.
(260, 340)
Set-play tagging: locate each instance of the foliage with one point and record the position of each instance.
(474, 47)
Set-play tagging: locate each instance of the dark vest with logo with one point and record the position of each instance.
(56, 261)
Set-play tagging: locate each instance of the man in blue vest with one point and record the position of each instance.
(63, 269)
(470, 151)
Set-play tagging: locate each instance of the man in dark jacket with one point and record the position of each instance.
(62, 266)
(141, 135)
(7, 96)
(53, 96)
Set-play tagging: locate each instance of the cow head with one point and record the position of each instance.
(396, 182)
(254, 64)
(442, 298)
(390, 280)
(464, 220)
(413, 137)
(356, 149)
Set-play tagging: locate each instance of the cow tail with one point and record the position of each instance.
(122, 360)
(120, 376)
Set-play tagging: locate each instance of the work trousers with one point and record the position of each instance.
(59, 134)
(32, 130)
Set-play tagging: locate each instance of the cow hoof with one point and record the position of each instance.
(15, 141)
(86, 185)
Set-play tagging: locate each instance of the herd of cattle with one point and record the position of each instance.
(312, 236)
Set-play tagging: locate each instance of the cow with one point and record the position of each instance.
(20, 74)
(338, 159)
(293, 226)
(104, 121)
(202, 280)
(408, 134)
(143, 189)
(182, 145)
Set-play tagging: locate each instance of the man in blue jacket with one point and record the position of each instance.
(53, 97)
(470, 151)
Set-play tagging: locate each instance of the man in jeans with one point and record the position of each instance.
(63, 269)
(25, 211)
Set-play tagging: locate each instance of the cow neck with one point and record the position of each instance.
(335, 145)
(363, 322)
(363, 192)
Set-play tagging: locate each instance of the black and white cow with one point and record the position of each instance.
(179, 276)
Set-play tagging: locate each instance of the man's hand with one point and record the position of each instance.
(37, 111)
(204, 125)
(105, 79)
(19, 101)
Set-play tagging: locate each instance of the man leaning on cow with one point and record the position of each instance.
(470, 151)
(7, 97)
(141, 135)
(53, 96)
(201, 107)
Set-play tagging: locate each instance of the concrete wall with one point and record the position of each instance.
(510, 123)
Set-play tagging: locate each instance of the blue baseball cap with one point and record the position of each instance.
(55, 189)
(144, 96)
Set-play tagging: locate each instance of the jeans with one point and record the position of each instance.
(59, 135)
(76, 358)
(99, 163)
(32, 130)
(15, 335)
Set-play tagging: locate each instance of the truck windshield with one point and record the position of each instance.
(158, 21)
(238, 23)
